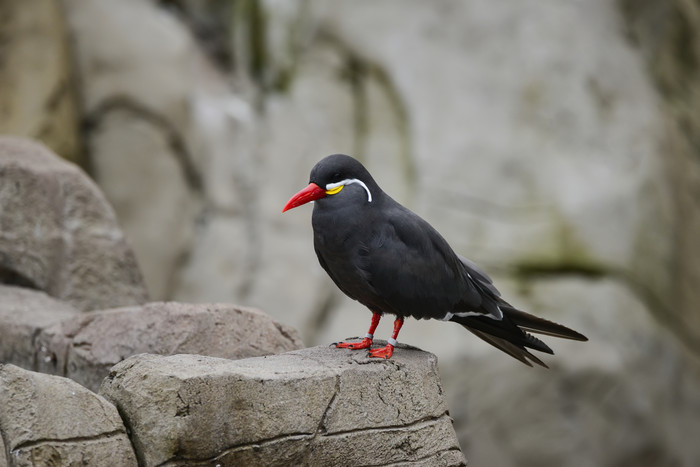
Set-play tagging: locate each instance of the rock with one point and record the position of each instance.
(49, 420)
(317, 406)
(136, 91)
(150, 212)
(679, 91)
(58, 233)
(37, 98)
(85, 347)
(24, 313)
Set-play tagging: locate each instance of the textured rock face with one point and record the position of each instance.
(48, 420)
(138, 115)
(670, 53)
(58, 234)
(316, 406)
(24, 313)
(85, 347)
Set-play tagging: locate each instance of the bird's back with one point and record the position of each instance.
(394, 263)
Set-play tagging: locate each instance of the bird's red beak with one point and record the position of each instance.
(309, 193)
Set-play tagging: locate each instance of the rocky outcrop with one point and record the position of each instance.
(318, 406)
(59, 235)
(43, 334)
(48, 420)
(85, 347)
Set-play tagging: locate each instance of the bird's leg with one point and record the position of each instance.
(388, 350)
(365, 343)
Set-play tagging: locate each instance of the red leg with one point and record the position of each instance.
(388, 351)
(365, 343)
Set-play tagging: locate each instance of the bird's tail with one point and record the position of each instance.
(511, 335)
(532, 323)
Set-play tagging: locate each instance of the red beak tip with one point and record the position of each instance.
(310, 193)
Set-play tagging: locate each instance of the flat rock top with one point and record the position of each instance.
(315, 406)
(321, 360)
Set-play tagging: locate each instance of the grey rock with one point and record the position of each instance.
(58, 234)
(24, 313)
(85, 347)
(49, 420)
(317, 406)
(149, 212)
(136, 90)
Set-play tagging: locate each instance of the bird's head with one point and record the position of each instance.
(339, 177)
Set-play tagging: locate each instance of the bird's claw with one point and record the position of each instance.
(365, 343)
(382, 352)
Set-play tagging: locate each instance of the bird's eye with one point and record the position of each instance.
(336, 176)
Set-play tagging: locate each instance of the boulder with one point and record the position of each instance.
(49, 420)
(59, 234)
(24, 314)
(85, 347)
(317, 406)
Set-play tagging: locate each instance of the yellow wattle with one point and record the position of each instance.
(334, 190)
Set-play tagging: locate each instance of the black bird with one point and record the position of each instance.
(392, 261)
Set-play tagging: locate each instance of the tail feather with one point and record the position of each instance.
(511, 335)
(538, 325)
(504, 329)
(511, 349)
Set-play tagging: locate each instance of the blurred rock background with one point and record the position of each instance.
(555, 143)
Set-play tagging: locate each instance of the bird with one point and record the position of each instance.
(392, 261)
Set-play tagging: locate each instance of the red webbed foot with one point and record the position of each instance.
(382, 352)
(365, 343)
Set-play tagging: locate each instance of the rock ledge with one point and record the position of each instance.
(317, 406)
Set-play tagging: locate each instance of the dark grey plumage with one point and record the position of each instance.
(392, 261)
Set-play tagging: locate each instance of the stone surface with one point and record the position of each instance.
(48, 420)
(58, 234)
(669, 52)
(37, 97)
(317, 406)
(136, 96)
(118, 141)
(24, 313)
(86, 347)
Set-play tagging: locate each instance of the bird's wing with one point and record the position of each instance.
(412, 268)
(478, 275)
